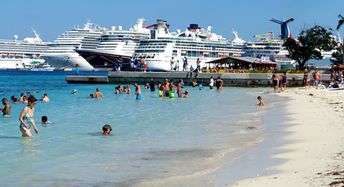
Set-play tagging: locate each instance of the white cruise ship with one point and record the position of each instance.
(61, 54)
(269, 48)
(194, 43)
(22, 54)
(116, 46)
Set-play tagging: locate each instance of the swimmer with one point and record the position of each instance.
(6, 111)
(98, 94)
(45, 98)
(186, 94)
(260, 101)
(106, 130)
(26, 118)
(21, 98)
(200, 87)
(75, 91)
(44, 120)
(14, 99)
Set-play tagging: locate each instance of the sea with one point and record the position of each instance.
(151, 139)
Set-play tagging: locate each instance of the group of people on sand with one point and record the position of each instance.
(280, 81)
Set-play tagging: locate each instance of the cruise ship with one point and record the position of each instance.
(22, 54)
(115, 47)
(194, 43)
(266, 47)
(61, 53)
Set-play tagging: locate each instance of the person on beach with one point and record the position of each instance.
(26, 118)
(138, 91)
(106, 130)
(45, 98)
(152, 85)
(219, 83)
(98, 94)
(316, 77)
(305, 78)
(211, 83)
(6, 111)
(284, 81)
(275, 81)
(14, 99)
(260, 101)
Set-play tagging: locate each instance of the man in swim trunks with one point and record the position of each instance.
(138, 91)
(6, 111)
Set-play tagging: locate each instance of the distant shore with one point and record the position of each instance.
(313, 151)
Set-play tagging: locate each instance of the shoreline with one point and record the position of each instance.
(313, 142)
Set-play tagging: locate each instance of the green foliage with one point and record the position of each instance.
(309, 45)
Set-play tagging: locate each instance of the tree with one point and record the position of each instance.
(309, 45)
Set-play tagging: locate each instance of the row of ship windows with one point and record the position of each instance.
(187, 54)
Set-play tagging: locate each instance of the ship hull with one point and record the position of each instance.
(105, 61)
(63, 61)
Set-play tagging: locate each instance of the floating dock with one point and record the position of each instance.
(229, 79)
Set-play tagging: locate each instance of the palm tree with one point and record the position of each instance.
(340, 22)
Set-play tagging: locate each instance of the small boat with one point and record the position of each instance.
(43, 67)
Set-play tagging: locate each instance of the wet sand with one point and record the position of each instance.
(314, 142)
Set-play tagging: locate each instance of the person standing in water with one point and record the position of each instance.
(151, 85)
(6, 111)
(138, 91)
(98, 94)
(26, 118)
(211, 83)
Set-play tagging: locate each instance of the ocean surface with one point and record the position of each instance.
(151, 139)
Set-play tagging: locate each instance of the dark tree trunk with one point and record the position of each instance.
(301, 65)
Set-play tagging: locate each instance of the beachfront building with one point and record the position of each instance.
(242, 63)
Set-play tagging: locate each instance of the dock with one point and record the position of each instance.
(229, 79)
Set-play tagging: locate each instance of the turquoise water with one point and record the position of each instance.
(151, 139)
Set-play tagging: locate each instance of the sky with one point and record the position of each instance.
(249, 17)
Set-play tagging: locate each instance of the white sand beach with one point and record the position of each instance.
(314, 142)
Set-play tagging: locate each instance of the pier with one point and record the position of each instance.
(229, 79)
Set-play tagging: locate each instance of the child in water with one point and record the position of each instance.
(44, 120)
(260, 101)
(106, 130)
